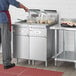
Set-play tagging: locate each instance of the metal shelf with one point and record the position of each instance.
(69, 56)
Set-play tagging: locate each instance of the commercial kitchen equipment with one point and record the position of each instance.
(49, 17)
(33, 40)
(64, 55)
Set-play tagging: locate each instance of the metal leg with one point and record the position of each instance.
(75, 65)
(55, 45)
(75, 48)
(46, 64)
(33, 62)
(55, 62)
(29, 62)
(17, 60)
(63, 42)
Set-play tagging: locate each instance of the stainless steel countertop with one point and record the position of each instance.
(59, 27)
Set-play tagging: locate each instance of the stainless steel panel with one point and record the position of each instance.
(38, 48)
(38, 32)
(39, 26)
(50, 43)
(21, 31)
(21, 47)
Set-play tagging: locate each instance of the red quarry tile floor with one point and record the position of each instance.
(25, 71)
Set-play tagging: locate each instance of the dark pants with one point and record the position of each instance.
(6, 43)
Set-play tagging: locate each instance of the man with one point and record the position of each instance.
(5, 25)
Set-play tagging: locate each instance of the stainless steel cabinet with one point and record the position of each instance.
(32, 42)
(38, 48)
(38, 42)
(21, 47)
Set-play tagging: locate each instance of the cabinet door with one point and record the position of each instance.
(38, 48)
(21, 47)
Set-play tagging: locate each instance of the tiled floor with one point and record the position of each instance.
(26, 71)
(67, 68)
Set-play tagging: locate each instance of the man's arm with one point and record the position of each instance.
(18, 4)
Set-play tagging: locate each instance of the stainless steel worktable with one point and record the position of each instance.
(68, 56)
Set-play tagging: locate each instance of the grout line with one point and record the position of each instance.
(20, 73)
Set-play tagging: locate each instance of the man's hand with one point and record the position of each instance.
(26, 9)
(22, 6)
